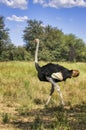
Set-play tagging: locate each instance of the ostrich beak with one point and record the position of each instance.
(75, 73)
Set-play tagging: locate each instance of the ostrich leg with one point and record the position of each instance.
(57, 88)
(51, 92)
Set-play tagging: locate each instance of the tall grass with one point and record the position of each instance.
(23, 96)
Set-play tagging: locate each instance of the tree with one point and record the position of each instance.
(80, 50)
(70, 43)
(4, 38)
(20, 53)
(33, 30)
(54, 44)
(76, 48)
(51, 39)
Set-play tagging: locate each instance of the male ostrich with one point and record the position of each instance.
(53, 73)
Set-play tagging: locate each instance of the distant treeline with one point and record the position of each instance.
(54, 44)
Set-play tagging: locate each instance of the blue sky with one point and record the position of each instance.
(67, 15)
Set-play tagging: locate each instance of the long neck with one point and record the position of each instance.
(36, 53)
(36, 57)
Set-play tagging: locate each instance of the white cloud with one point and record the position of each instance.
(22, 4)
(61, 3)
(39, 1)
(16, 18)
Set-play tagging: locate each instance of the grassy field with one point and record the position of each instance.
(23, 97)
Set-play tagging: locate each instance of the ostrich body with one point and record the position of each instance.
(53, 73)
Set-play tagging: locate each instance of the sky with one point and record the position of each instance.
(67, 15)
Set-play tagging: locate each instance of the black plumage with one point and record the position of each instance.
(49, 69)
(53, 73)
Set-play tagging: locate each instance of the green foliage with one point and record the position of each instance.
(54, 44)
(7, 50)
(20, 54)
(33, 30)
(5, 118)
(4, 36)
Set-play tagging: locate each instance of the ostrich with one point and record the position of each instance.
(53, 73)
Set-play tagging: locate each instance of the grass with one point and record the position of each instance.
(23, 97)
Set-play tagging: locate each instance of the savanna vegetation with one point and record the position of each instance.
(23, 97)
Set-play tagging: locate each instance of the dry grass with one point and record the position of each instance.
(23, 96)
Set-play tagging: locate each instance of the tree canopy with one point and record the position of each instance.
(54, 44)
(8, 51)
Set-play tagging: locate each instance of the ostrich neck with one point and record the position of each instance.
(36, 53)
(36, 58)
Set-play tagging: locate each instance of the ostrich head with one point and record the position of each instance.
(75, 73)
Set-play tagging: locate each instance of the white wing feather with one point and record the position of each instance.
(57, 75)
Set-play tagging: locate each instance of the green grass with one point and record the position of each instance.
(23, 97)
